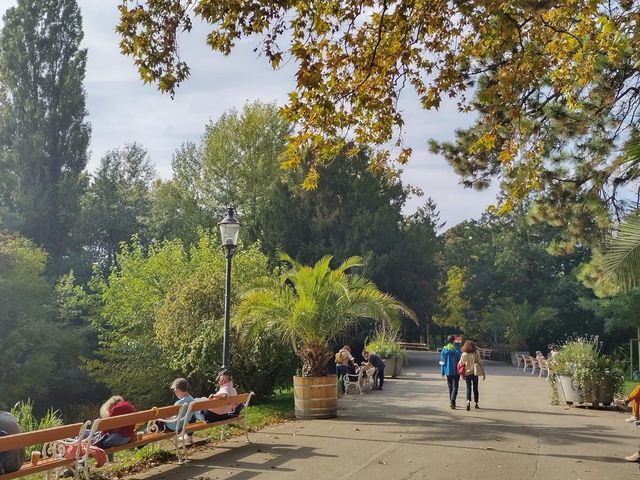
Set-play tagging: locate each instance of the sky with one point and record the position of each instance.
(122, 109)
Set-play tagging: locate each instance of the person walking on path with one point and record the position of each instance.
(449, 358)
(473, 368)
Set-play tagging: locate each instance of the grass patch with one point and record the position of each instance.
(277, 411)
(629, 385)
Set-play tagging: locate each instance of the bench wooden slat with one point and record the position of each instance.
(128, 419)
(219, 402)
(26, 439)
(43, 465)
(199, 425)
(147, 439)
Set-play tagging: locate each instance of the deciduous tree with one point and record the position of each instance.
(555, 84)
(44, 134)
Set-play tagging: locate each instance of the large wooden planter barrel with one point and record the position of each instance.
(316, 397)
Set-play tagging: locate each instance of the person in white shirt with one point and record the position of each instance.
(226, 390)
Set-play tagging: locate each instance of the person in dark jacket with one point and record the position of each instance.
(12, 460)
(377, 362)
(449, 358)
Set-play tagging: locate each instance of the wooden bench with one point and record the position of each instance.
(528, 362)
(544, 366)
(520, 359)
(485, 353)
(54, 443)
(414, 346)
(151, 418)
(227, 403)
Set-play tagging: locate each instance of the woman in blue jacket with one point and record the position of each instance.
(449, 358)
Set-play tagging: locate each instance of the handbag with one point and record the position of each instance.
(460, 369)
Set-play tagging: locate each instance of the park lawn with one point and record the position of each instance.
(629, 385)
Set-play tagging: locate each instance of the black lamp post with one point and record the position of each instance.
(229, 229)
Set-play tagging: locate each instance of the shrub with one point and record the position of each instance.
(23, 411)
(580, 358)
(385, 343)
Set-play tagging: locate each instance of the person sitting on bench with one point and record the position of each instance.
(226, 390)
(113, 407)
(12, 460)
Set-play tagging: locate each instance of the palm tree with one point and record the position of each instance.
(622, 261)
(311, 305)
(520, 320)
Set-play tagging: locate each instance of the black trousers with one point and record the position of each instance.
(378, 379)
(452, 382)
(472, 381)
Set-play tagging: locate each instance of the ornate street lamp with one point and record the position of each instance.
(229, 230)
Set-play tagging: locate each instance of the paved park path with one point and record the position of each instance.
(407, 431)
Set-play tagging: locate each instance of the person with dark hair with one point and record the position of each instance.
(377, 362)
(473, 367)
(449, 358)
(12, 460)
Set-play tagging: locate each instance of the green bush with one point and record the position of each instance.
(23, 411)
(385, 343)
(580, 358)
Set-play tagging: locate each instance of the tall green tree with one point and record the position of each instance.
(358, 212)
(177, 206)
(241, 155)
(44, 134)
(117, 203)
(236, 163)
(44, 330)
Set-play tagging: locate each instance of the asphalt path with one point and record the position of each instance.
(408, 431)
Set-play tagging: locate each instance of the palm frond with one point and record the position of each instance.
(622, 260)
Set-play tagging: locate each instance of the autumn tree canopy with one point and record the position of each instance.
(555, 83)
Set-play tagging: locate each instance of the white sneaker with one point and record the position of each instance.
(633, 458)
(631, 419)
(187, 439)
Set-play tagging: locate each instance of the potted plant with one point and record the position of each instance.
(310, 306)
(385, 344)
(583, 374)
